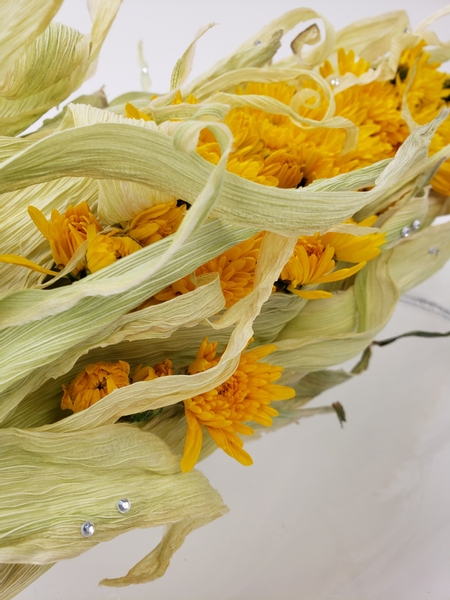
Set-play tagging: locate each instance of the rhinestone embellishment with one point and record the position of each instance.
(416, 224)
(124, 505)
(335, 82)
(434, 250)
(87, 529)
(405, 232)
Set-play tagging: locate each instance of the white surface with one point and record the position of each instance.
(359, 513)
(168, 27)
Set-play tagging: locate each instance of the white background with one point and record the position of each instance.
(359, 513)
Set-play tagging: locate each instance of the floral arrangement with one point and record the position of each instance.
(181, 270)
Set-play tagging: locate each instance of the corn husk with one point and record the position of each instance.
(121, 166)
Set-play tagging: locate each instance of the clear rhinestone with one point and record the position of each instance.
(87, 529)
(124, 505)
(144, 70)
(406, 30)
(405, 232)
(415, 225)
(257, 42)
(335, 82)
(434, 250)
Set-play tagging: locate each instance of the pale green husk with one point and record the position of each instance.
(120, 167)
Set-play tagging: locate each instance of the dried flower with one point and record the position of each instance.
(236, 269)
(103, 250)
(156, 223)
(65, 232)
(93, 383)
(312, 264)
(223, 411)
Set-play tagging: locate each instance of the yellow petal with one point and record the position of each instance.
(133, 113)
(279, 392)
(310, 294)
(192, 446)
(40, 221)
(340, 274)
(243, 429)
(24, 262)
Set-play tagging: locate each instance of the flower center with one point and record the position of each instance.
(312, 247)
(101, 384)
(234, 391)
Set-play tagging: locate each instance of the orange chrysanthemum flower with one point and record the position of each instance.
(93, 383)
(66, 232)
(245, 396)
(98, 380)
(162, 369)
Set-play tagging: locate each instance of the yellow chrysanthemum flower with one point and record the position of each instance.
(236, 268)
(131, 112)
(375, 108)
(205, 359)
(264, 146)
(380, 103)
(441, 181)
(103, 250)
(190, 99)
(66, 232)
(134, 113)
(245, 396)
(269, 149)
(93, 383)
(312, 264)
(346, 64)
(352, 248)
(428, 94)
(426, 84)
(155, 223)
